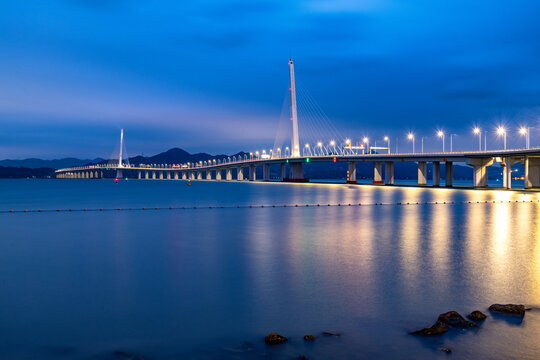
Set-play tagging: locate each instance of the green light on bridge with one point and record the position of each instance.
(307, 160)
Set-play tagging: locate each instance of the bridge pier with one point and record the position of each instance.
(296, 172)
(377, 173)
(191, 175)
(283, 173)
(436, 175)
(266, 172)
(161, 175)
(507, 172)
(240, 174)
(218, 174)
(168, 175)
(532, 172)
(153, 175)
(139, 175)
(389, 174)
(176, 175)
(119, 173)
(228, 174)
(351, 179)
(208, 175)
(91, 174)
(252, 173)
(199, 175)
(480, 171)
(422, 173)
(449, 173)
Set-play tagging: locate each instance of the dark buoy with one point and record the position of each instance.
(189, 183)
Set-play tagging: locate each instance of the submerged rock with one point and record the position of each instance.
(513, 309)
(446, 350)
(274, 339)
(309, 337)
(454, 319)
(477, 315)
(436, 329)
(331, 333)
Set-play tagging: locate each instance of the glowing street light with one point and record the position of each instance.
(365, 140)
(440, 134)
(501, 131)
(410, 136)
(525, 132)
(387, 139)
(477, 131)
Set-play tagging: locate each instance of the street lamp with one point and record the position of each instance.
(365, 140)
(411, 137)
(525, 131)
(477, 131)
(440, 134)
(387, 139)
(502, 132)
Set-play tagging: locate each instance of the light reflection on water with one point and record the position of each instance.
(190, 283)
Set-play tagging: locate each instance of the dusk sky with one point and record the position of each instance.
(212, 75)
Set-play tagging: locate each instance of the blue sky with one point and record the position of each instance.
(212, 75)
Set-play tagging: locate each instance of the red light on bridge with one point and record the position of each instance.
(116, 180)
(335, 159)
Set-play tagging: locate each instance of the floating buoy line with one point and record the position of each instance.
(265, 206)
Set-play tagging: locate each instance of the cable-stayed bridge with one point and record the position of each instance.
(292, 159)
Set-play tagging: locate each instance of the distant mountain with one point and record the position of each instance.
(174, 156)
(34, 163)
(22, 172)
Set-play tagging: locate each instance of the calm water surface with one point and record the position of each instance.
(210, 283)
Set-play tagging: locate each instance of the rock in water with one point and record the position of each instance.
(436, 329)
(274, 339)
(477, 315)
(309, 337)
(446, 350)
(454, 319)
(513, 309)
(331, 333)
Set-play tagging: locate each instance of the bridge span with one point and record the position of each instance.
(228, 169)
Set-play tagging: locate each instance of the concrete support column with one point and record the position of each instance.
(507, 177)
(218, 174)
(436, 173)
(449, 174)
(192, 175)
(91, 174)
(252, 173)
(297, 172)
(119, 173)
(228, 174)
(208, 175)
(168, 175)
(266, 172)
(282, 171)
(199, 175)
(422, 173)
(184, 175)
(176, 175)
(161, 175)
(480, 171)
(240, 174)
(377, 173)
(532, 172)
(139, 175)
(153, 175)
(351, 176)
(389, 174)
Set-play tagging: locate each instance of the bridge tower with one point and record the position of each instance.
(296, 173)
(295, 144)
(119, 174)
